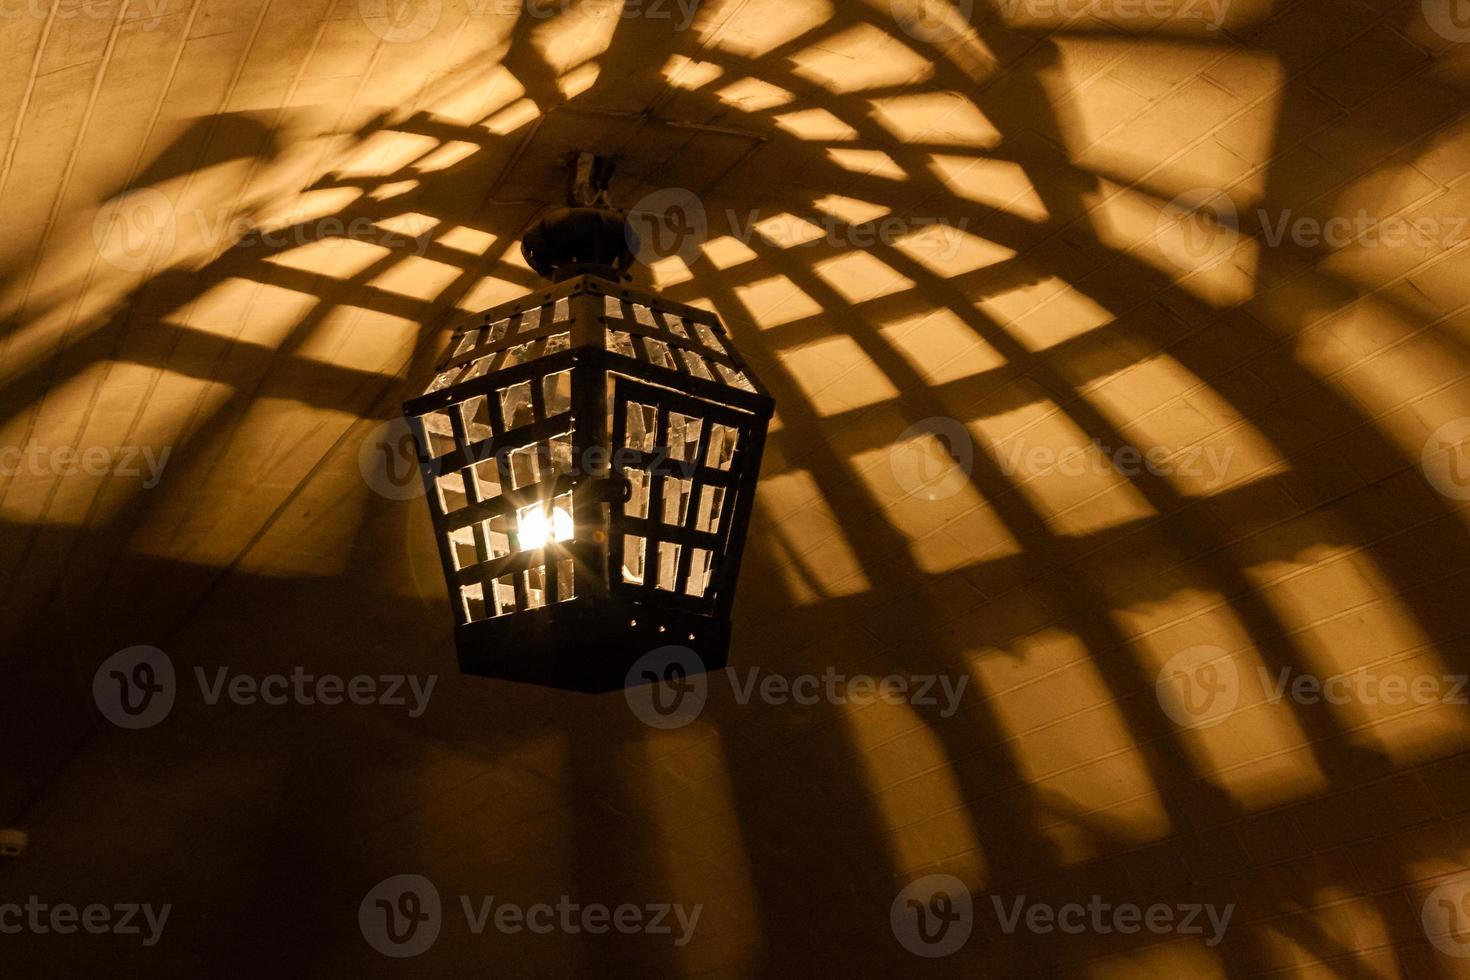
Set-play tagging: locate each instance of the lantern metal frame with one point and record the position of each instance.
(591, 363)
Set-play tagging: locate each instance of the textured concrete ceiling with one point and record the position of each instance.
(1191, 445)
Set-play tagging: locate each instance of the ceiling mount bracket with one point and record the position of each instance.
(589, 235)
(589, 178)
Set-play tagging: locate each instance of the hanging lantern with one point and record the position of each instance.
(590, 454)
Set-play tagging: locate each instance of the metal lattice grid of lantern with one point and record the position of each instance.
(590, 453)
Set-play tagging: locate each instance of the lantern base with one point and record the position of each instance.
(575, 647)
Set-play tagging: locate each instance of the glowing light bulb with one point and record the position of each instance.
(535, 530)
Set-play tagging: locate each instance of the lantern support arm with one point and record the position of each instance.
(589, 181)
